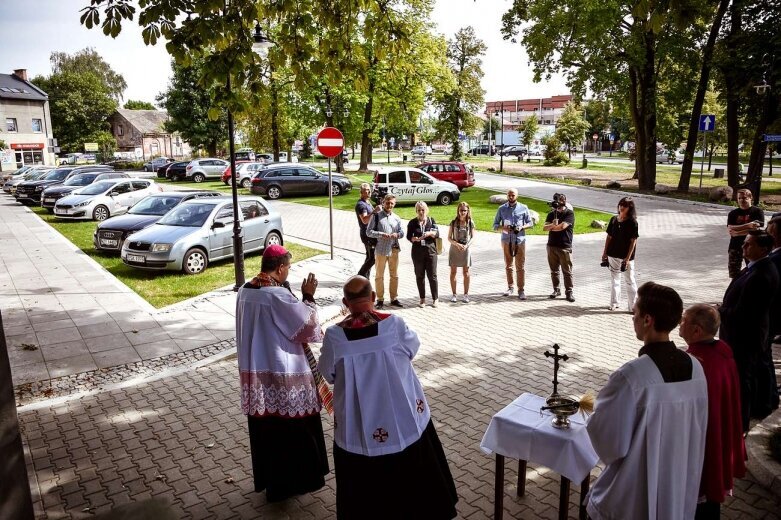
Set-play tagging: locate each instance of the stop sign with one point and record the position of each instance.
(330, 141)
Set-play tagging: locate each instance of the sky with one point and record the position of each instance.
(33, 29)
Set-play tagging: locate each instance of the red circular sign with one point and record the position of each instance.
(330, 141)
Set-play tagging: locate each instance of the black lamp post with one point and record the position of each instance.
(501, 152)
(260, 44)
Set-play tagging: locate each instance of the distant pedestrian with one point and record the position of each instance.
(740, 221)
(364, 212)
(281, 390)
(513, 219)
(618, 254)
(559, 224)
(460, 235)
(385, 227)
(422, 232)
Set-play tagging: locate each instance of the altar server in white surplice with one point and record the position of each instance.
(650, 422)
(388, 460)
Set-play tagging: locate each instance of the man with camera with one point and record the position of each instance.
(364, 211)
(513, 219)
(559, 224)
(740, 221)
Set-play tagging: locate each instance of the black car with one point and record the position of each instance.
(282, 179)
(29, 192)
(513, 151)
(483, 149)
(54, 193)
(176, 171)
(111, 233)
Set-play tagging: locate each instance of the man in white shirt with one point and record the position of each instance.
(388, 460)
(650, 422)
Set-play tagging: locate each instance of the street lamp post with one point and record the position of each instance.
(501, 122)
(260, 44)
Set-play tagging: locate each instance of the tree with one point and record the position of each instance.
(528, 133)
(89, 61)
(133, 104)
(107, 145)
(609, 48)
(188, 105)
(490, 127)
(571, 127)
(457, 102)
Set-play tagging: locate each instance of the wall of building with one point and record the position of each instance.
(25, 139)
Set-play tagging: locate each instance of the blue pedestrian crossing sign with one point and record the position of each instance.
(707, 122)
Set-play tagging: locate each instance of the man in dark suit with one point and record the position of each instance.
(774, 230)
(745, 318)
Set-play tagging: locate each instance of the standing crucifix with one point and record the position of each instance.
(556, 357)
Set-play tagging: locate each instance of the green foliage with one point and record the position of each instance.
(553, 154)
(89, 61)
(490, 126)
(529, 131)
(133, 104)
(107, 145)
(188, 105)
(2, 144)
(571, 127)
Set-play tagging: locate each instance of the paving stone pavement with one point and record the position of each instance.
(182, 437)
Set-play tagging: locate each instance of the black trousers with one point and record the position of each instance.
(708, 511)
(368, 263)
(424, 258)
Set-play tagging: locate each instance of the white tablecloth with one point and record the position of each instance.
(520, 432)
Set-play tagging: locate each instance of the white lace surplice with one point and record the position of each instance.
(271, 325)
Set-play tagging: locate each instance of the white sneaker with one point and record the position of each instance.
(613, 307)
(508, 292)
(453, 299)
(435, 303)
(422, 303)
(466, 298)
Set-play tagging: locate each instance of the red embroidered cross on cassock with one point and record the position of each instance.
(380, 435)
(419, 402)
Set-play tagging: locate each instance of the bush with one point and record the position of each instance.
(553, 154)
(121, 164)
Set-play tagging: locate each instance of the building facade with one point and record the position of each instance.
(26, 123)
(142, 134)
(516, 111)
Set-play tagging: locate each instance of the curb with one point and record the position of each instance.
(761, 464)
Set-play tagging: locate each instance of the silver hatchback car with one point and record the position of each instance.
(200, 231)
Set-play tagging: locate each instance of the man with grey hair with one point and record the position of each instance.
(513, 219)
(364, 212)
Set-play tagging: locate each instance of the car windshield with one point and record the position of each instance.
(97, 188)
(158, 205)
(81, 180)
(57, 175)
(187, 215)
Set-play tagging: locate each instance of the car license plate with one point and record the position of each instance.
(49, 200)
(136, 258)
(108, 242)
(61, 211)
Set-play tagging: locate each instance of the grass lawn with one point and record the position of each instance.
(161, 288)
(483, 212)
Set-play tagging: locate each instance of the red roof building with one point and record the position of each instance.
(547, 110)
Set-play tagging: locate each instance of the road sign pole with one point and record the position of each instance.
(702, 162)
(331, 208)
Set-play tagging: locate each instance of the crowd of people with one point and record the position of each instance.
(668, 425)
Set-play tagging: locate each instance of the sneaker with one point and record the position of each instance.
(570, 297)
(466, 298)
(453, 299)
(613, 307)
(508, 292)
(555, 294)
(522, 296)
(422, 303)
(434, 303)
(379, 305)
(396, 303)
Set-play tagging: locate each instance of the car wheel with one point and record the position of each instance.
(245, 183)
(273, 239)
(336, 190)
(100, 213)
(274, 192)
(195, 261)
(199, 177)
(444, 199)
(227, 183)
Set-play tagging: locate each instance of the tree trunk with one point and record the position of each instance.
(642, 95)
(759, 147)
(699, 97)
(368, 127)
(732, 84)
(275, 145)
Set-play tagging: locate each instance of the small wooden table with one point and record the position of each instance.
(519, 431)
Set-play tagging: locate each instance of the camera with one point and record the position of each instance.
(559, 201)
(515, 229)
(604, 264)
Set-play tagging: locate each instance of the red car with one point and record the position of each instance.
(460, 174)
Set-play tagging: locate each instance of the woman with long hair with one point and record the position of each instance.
(619, 252)
(422, 231)
(462, 231)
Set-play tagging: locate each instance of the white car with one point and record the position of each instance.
(412, 185)
(154, 164)
(104, 199)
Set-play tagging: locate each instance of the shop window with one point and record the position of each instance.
(10, 124)
(37, 126)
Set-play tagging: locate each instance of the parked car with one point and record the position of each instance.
(244, 173)
(52, 194)
(245, 156)
(418, 150)
(460, 174)
(483, 149)
(412, 185)
(110, 234)
(537, 149)
(201, 169)
(513, 151)
(198, 232)
(177, 171)
(154, 164)
(282, 179)
(101, 200)
(29, 192)
(162, 172)
(11, 184)
(24, 170)
(666, 156)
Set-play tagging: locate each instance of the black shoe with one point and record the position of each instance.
(379, 305)
(396, 303)
(570, 297)
(555, 294)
